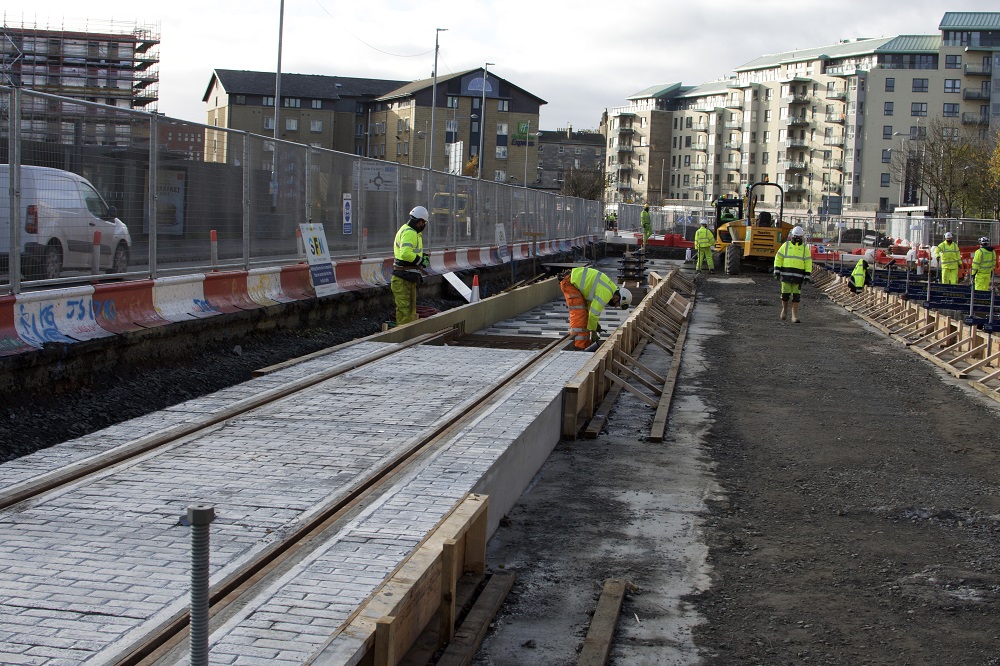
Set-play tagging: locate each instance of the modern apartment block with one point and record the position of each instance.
(389, 120)
(822, 122)
(107, 62)
(562, 151)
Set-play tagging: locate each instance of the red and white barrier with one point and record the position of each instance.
(11, 343)
(126, 306)
(181, 298)
(229, 292)
(264, 286)
(58, 315)
(296, 282)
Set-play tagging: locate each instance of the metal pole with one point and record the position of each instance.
(663, 167)
(527, 133)
(14, 190)
(152, 194)
(200, 516)
(277, 77)
(434, 103)
(482, 119)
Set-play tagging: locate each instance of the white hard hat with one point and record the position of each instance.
(626, 297)
(798, 231)
(984, 241)
(420, 213)
(949, 236)
(704, 223)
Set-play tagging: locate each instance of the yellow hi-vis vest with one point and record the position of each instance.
(597, 289)
(858, 274)
(949, 256)
(408, 247)
(704, 238)
(793, 262)
(984, 261)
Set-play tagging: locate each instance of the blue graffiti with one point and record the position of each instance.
(80, 309)
(201, 305)
(106, 309)
(39, 330)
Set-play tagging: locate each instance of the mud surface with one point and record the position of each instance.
(844, 509)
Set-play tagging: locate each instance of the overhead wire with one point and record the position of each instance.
(374, 48)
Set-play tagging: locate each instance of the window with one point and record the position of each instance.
(399, 125)
(452, 102)
(950, 111)
(687, 161)
(765, 158)
(888, 109)
(886, 131)
(918, 109)
(949, 133)
(291, 124)
(499, 176)
(688, 122)
(687, 142)
(918, 133)
(241, 99)
(268, 101)
(316, 104)
(953, 62)
(501, 152)
(767, 115)
(501, 129)
(886, 155)
(503, 105)
(884, 180)
(359, 130)
(269, 122)
(315, 125)
(952, 85)
(292, 102)
(921, 85)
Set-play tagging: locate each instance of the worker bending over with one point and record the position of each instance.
(859, 277)
(588, 291)
(793, 266)
(409, 260)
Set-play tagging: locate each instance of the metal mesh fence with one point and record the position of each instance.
(163, 192)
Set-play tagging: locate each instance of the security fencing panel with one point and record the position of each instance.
(198, 195)
(9, 234)
(276, 171)
(335, 202)
(84, 187)
(380, 204)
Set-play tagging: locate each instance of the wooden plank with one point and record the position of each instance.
(470, 635)
(597, 644)
(631, 389)
(385, 641)
(624, 369)
(666, 396)
(647, 371)
(449, 582)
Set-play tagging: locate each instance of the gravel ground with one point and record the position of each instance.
(835, 503)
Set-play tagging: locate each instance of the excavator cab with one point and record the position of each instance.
(751, 238)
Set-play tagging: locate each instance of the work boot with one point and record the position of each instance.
(795, 313)
(784, 310)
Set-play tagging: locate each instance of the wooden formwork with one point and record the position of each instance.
(389, 622)
(660, 319)
(961, 349)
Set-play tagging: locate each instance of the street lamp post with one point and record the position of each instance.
(434, 95)
(663, 167)
(527, 134)
(482, 125)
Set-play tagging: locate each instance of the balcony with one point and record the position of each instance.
(975, 119)
(972, 93)
(978, 70)
(626, 129)
(793, 187)
(700, 128)
(624, 167)
(795, 143)
(733, 145)
(796, 120)
(624, 185)
(836, 94)
(699, 146)
(794, 165)
(796, 99)
(625, 148)
(836, 118)
(734, 104)
(843, 70)
(731, 166)
(833, 164)
(833, 141)
(697, 166)
(734, 124)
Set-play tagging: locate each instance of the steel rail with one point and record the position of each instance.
(47, 482)
(173, 631)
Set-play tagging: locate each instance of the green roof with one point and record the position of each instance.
(712, 88)
(911, 44)
(970, 21)
(842, 50)
(661, 90)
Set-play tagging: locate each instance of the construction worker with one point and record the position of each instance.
(588, 291)
(949, 258)
(704, 239)
(793, 266)
(647, 224)
(984, 261)
(859, 277)
(409, 260)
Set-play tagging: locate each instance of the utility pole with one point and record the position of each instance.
(434, 95)
(482, 123)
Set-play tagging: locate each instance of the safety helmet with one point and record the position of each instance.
(419, 213)
(949, 236)
(798, 231)
(626, 297)
(984, 241)
(704, 223)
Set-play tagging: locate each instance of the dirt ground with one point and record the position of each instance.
(824, 496)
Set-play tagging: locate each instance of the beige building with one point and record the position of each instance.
(388, 120)
(821, 122)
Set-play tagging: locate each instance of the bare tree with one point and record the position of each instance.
(939, 163)
(584, 183)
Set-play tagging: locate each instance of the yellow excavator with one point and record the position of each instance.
(752, 240)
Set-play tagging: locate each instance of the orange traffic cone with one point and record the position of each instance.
(475, 289)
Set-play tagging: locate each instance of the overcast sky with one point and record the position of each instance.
(580, 56)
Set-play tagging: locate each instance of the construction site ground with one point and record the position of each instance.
(823, 495)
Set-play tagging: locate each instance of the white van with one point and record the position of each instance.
(60, 211)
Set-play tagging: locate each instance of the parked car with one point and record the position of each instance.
(60, 211)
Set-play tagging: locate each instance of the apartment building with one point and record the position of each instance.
(822, 122)
(109, 63)
(384, 119)
(560, 152)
